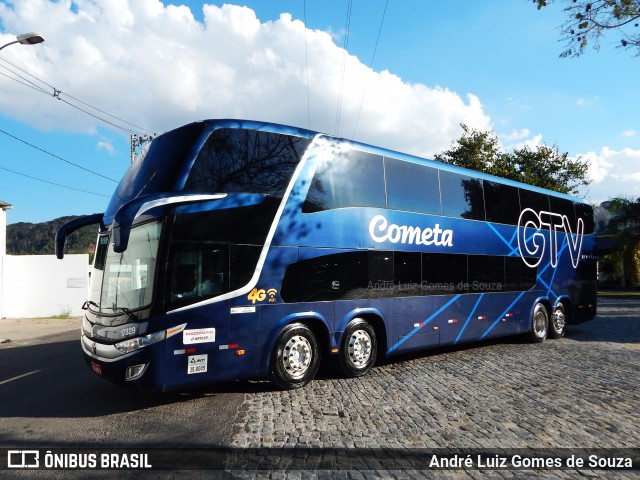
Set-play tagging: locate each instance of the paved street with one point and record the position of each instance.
(577, 392)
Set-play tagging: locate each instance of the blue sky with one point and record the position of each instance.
(492, 65)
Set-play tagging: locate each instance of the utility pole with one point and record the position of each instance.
(139, 141)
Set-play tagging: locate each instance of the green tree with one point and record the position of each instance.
(588, 20)
(624, 225)
(542, 166)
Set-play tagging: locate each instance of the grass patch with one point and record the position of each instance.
(613, 294)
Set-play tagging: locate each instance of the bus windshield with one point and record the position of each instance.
(124, 281)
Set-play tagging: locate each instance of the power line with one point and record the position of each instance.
(344, 65)
(58, 94)
(375, 49)
(306, 60)
(56, 156)
(51, 183)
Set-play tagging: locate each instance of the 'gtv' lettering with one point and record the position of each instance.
(534, 244)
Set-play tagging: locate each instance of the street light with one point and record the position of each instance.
(26, 39)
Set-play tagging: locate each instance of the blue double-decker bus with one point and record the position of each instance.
(237, 249)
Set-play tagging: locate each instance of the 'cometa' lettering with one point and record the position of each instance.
(381, 231)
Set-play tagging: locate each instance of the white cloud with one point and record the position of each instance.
(586, 102)
(158, 67)
(106, 145)
(629, 133)
(516, 135)
(613, 173)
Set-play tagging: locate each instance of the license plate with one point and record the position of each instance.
(97, 369)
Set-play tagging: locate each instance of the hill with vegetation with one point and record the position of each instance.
(38, 238)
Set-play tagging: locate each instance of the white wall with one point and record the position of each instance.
(3, 251)
(3, 232)
(43, 286)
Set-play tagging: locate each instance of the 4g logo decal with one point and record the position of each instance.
(535, 245)
(259, 295)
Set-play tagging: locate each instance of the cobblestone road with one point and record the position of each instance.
(581, 391)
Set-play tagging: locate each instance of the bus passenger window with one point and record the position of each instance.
(245, 161)
(585, 212)
(461, 196)
(346, 178)
(564, 207)
(538, 202)
(486, 273)
(443, 273)
(502, 203)
(407, 274)
(519, 276)
(196, 272)
(412, 187)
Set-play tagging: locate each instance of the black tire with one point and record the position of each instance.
(539, 323)
(295, 358)
(557, 322)
(358, 349)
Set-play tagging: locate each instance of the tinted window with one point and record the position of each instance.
(518, 276)
(443, 273)
(196, 272)
(486, 273)
(537, 202)
(408, 274)
(585, 212)
(346, 178)
(330, 277)
(461, 196)
(230, 225)
(380, 283)
(412, 187)
(248, 161)
(243, 260)
(502, 203)
(564, 207)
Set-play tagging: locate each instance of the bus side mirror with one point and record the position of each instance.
(68, 228)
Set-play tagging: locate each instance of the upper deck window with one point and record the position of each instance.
(346, 178)
(412, 187)
(461, 196)
(246, 161)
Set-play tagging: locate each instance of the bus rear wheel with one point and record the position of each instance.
(539, 323)
(358, 349)
(558, 322)
(295, 358)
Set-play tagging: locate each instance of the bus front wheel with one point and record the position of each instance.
(358, 349)
(539, 323)
(295, 358)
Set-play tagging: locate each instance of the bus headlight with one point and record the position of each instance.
(140, 342)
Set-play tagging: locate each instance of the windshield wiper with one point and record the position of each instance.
(128, 313)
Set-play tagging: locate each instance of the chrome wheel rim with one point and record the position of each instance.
(559, 321)
(540, 323)
(360, 348)
(296, 356)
